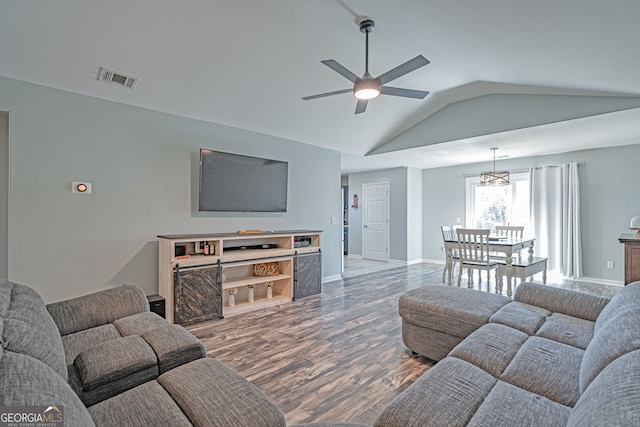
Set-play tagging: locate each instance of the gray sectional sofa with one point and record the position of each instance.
(549, 357)
(105, 360)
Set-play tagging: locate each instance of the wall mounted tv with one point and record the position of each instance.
(237, 183)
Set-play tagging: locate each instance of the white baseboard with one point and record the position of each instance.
(331, 278)
(435, 261)
(601, 281)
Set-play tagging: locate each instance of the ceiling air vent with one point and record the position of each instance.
(119, 79)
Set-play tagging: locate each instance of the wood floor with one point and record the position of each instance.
(337, 356)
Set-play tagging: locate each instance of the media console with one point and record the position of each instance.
(199, 273)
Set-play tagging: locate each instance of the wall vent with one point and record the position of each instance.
(119, 79)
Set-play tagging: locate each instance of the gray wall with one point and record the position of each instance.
(414, 214)
(4, 194)
(608, 193)
(143, 166)
(397, 179)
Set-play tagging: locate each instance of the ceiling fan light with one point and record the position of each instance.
(366, 89)
(366, 93)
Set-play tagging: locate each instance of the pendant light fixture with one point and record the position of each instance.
(494, 178)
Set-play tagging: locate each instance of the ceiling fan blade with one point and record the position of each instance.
(406, 93)
(322, 95)
(402, 69)
(361, 106)
(338, 68)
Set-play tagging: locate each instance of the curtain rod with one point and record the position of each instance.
(518, 170)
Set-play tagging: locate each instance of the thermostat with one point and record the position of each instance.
(81, 187)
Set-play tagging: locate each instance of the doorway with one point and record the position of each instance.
(376, 221)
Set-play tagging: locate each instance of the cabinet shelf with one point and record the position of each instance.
(253, 280)
(196, 260)
(243, 307)
(231, 256)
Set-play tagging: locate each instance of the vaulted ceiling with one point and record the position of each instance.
(529, 77)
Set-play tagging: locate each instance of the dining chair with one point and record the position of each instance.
(473, 250)
(510, 232)
(449, 234)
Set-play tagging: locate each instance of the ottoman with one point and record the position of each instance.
(436, 318)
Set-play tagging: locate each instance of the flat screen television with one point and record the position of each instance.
(236, 183)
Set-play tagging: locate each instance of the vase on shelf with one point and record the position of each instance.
(269, 291)
(251, 295)
(232, 297)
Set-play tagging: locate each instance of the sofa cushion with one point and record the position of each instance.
(448, 394)
(613, 398)
(628, 296)
(139, 323)
(508, 405)
(76, 343)
(533, 320)
(524, 317)
(548, 368)
(111, 389)
(114, 360)
(146, 405)
(174, 346)
(208, 392)
(568, 330)
(25, 381)
(27, 327)
(491, 348)
(618, 336)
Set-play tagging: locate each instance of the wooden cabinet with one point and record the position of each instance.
(631, 257)
(200, 274)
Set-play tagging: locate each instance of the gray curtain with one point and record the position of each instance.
(555, 217)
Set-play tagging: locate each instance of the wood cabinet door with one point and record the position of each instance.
(632, 262)
(307, 275)
(197, 295)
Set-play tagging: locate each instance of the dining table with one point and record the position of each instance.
(504, 245)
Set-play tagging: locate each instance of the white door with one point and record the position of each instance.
(376, 221)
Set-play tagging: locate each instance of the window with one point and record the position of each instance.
(505, 205)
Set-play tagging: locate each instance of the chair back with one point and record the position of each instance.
(473, 246)
(510, 231)
(449, 233)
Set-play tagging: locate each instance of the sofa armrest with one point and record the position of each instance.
(557, 300)
(98, 308)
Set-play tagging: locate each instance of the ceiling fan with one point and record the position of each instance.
(368, 87)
